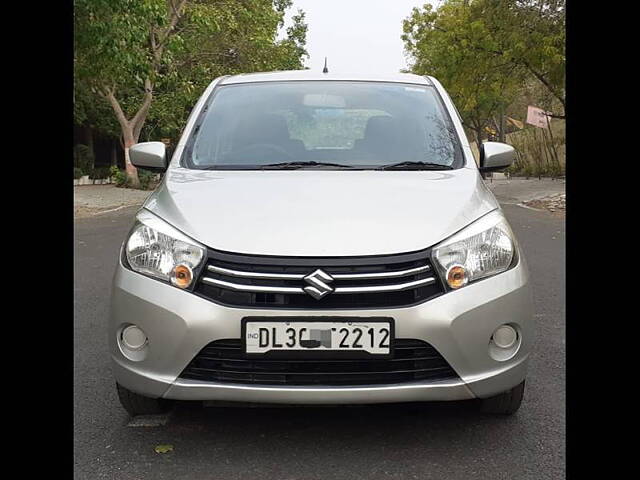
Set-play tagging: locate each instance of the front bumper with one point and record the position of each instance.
(458, 324)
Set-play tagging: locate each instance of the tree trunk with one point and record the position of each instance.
(158, 37)
(547, 154)
(131, 128)
(129, 141)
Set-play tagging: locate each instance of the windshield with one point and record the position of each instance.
(323, 124)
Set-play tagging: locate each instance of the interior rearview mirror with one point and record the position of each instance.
(149, 155)
(320, 100)
(496, 156)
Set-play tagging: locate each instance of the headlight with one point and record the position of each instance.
(157, 249)
(484, 248)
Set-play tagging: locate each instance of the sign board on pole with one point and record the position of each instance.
(538, 117)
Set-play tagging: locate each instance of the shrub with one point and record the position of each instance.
(77, 173)
(121, 180)
(119, 177)
(145, 177)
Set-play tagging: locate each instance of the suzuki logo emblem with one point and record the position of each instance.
(317, 281)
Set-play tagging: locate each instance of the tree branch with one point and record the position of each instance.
(540, 77)
(138, 120)
(175, 16)
(108, 92)
(542, 80)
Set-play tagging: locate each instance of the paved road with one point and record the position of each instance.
(407, 441)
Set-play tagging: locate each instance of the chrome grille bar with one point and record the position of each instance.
(373, 276)
(265, 276)
(386, 288)
(250, 288)
(299, 276)
(295, 290)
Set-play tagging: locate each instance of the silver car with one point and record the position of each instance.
(321, 239)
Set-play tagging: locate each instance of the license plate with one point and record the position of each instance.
(373, 336)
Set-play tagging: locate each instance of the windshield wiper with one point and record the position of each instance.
(415, 166)
(293, 165)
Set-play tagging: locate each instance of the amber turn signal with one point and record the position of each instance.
(181, 276)
(457, 276)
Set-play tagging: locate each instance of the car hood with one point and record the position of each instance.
(320, 212)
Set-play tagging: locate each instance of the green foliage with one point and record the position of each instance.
(91, 109)
(119, 177)
(128, 48)
(83, 159)
(486, 52)
(112, 38)
(441, 43)
(77, 173)
(121, 180)
(530, 34)
(245, 41)
(145, 177)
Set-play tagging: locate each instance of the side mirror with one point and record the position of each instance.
(149, 155)
(496, 156)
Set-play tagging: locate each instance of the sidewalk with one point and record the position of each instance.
(544, 194)
(90, 200)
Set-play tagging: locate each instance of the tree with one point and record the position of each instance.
(247, 43)
(450, 43)
(149, 58)
(529, 34)
(92, 115)
(121, 49)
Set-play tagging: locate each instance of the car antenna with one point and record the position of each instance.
(325, 69)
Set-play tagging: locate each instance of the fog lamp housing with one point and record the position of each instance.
(505, 336)
(505, 342)
(134, 338)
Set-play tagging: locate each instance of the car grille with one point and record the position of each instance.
(319, 283)
(224, 361)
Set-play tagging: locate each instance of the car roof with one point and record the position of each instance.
(293, 75)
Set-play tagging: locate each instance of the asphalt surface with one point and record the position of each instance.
(405, 441)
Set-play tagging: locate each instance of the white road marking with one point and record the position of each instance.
(149, 420)
(113, 209)
(527, 206)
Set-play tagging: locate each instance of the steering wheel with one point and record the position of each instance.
(258, 149)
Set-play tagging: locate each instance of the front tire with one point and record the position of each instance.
(136, 404)
(506, 403)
